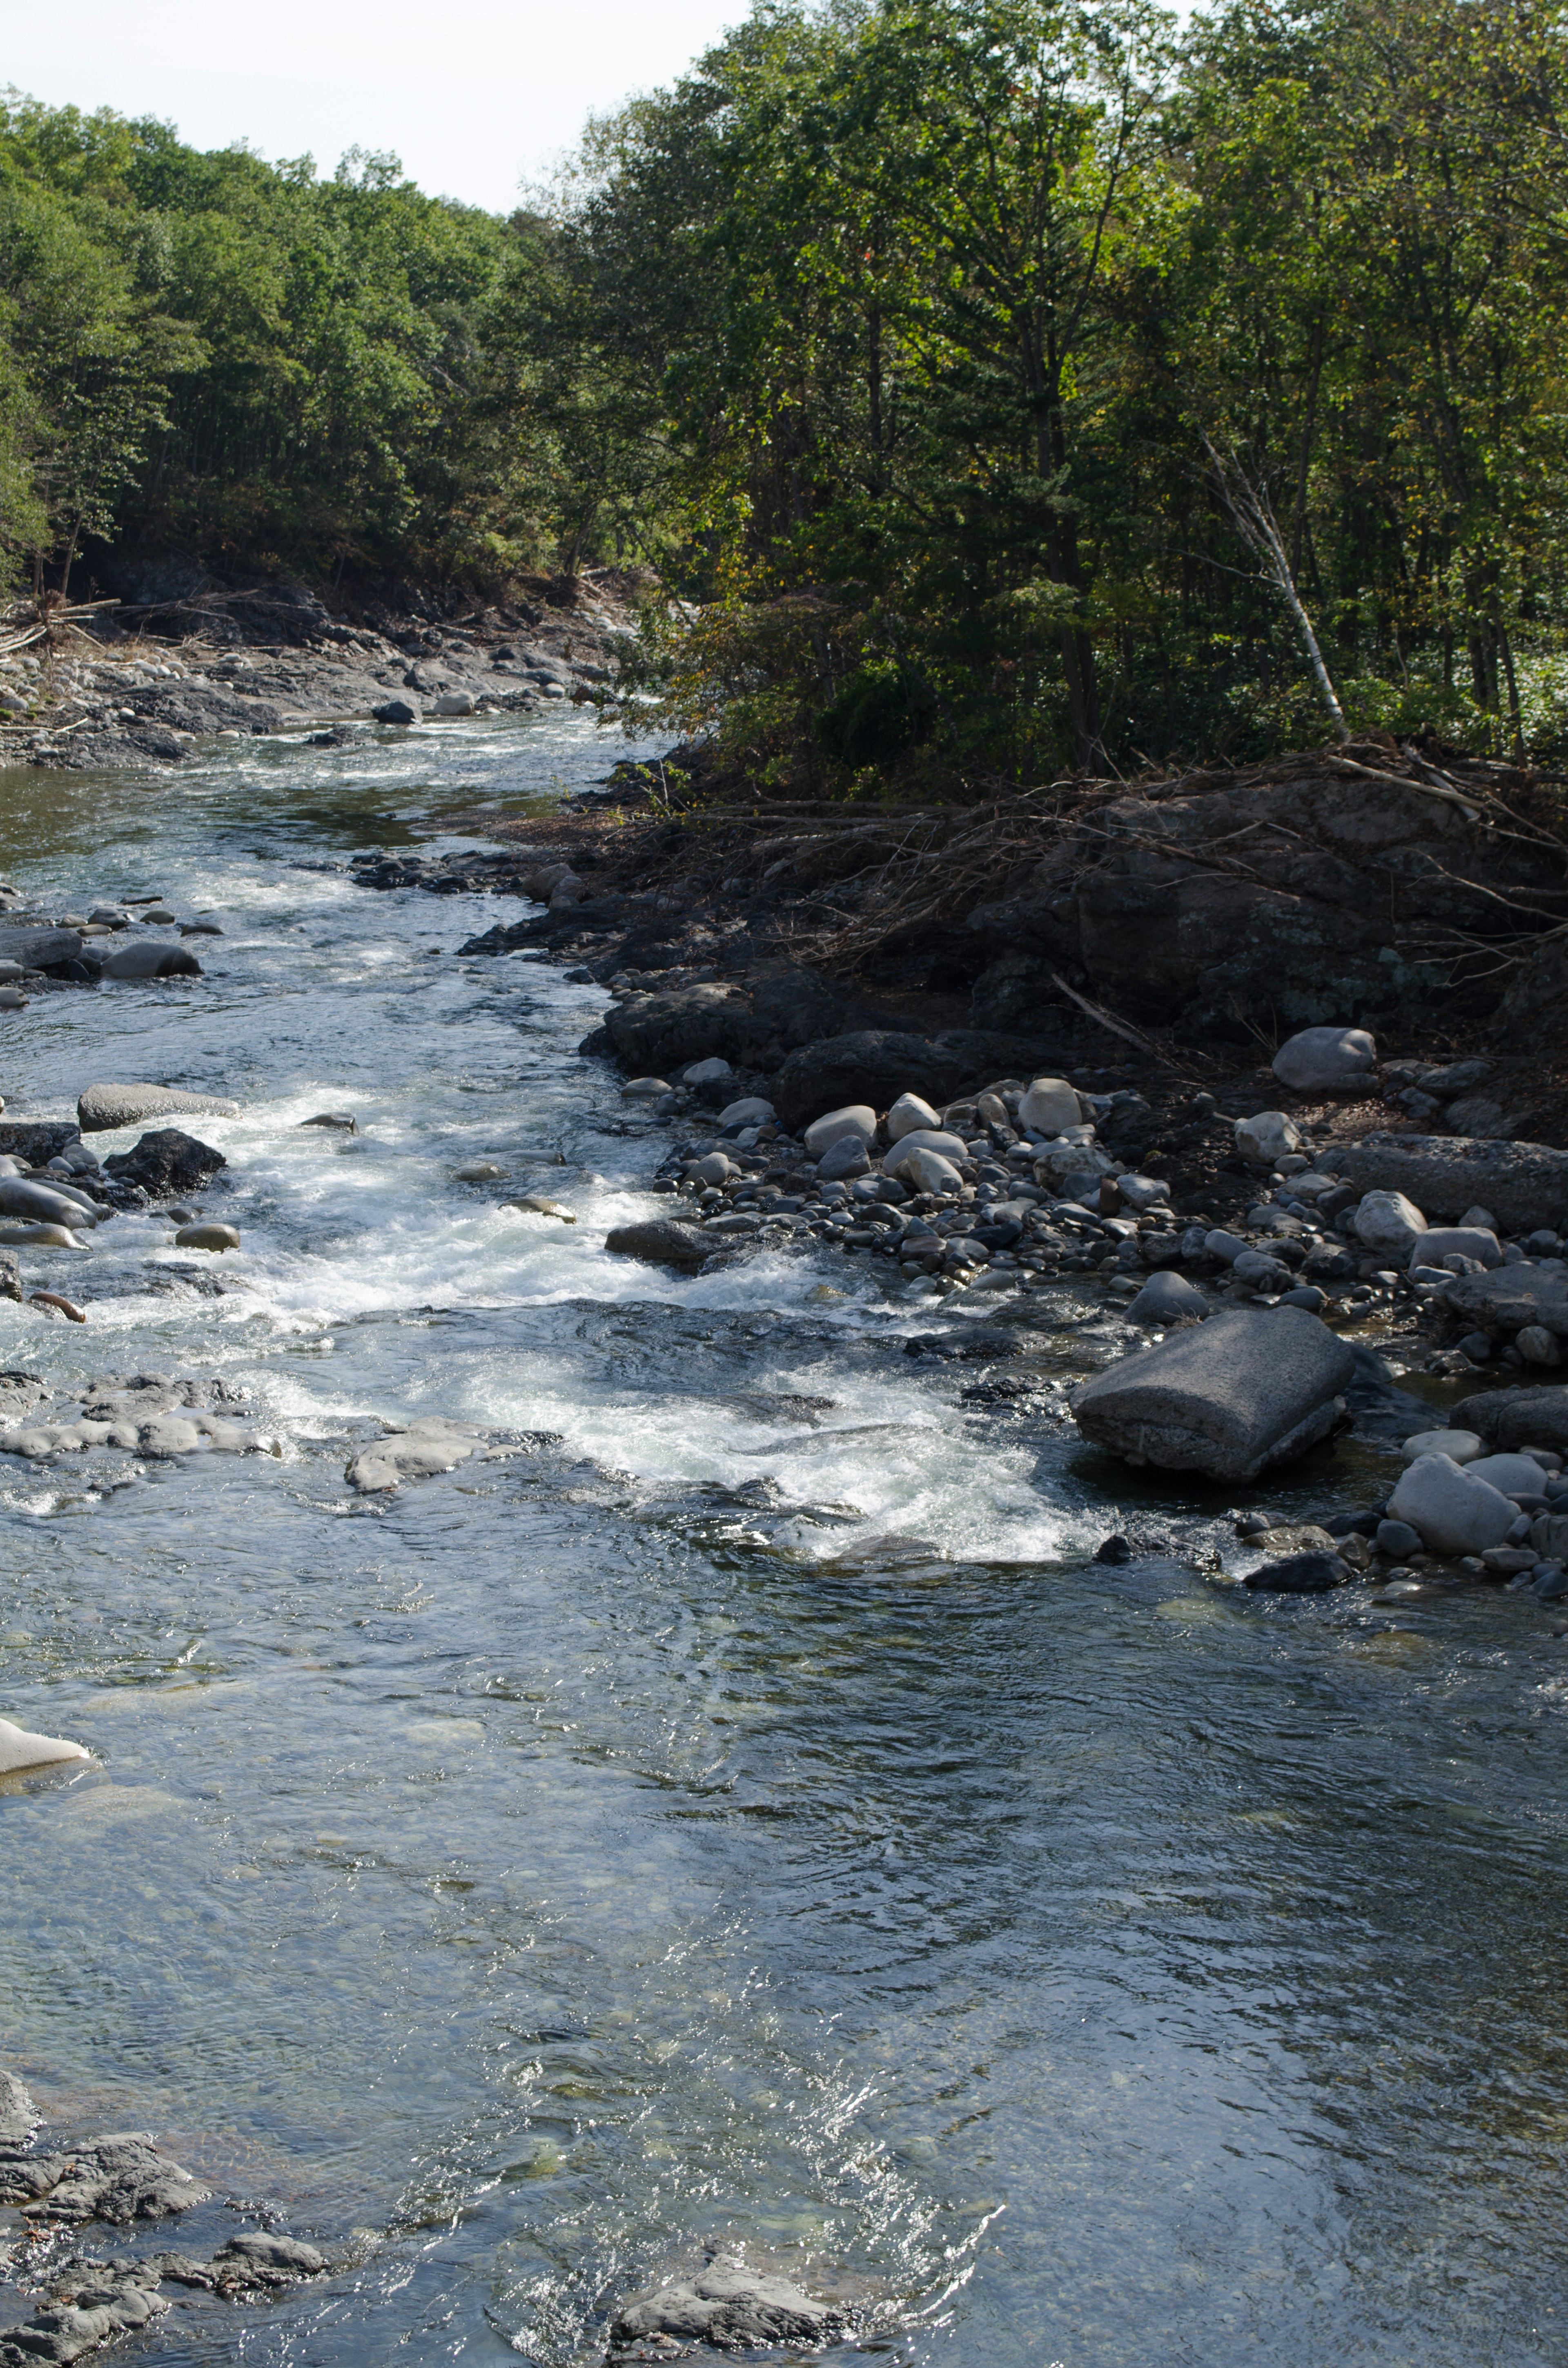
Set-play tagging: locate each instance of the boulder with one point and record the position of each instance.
(908, 1115)
(37, 1141)
(208, 1237)
(1511, 1297)
(1166, 1298)
(166, 1164)
(1439, 1242)
(843, 1160)
(41, 1204)
(877, 1064)
(1266, 1138)
(1049, 1106)
(395, 711)
(670, 1030)
(1459, 1446)
(752, 1110)
(1535, 1416)
(1537, 1346)
(37, 949)
(946, 1146)
(707, 1073)
(1387, 1222)
(102, 1108)
(454, 702)
(19, 1748)
(1513, 1475)
(857, 1119)
(661, 1241)
(151, 958)
(1143, 1193)
(1455, 1513)
(1326, 1060)
(1522, 1185)
(1313, 1572)
(1230, 1398)
(929, 1172)
(725, 2307)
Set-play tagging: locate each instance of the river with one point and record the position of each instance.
(743, 1813)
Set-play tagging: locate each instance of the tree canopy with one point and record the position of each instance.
(983, 386)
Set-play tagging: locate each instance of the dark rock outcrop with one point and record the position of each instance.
(166, 1164)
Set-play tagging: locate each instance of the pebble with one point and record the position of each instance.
(645, 1088)
(1460, 1446)
(1050, 1106)
(854, 1119)
(910, 1114)
(1262, 1138)
(1388, 1221)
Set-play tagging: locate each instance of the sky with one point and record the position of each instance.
(476, 102)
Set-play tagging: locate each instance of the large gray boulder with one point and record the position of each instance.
(37, 949)
(1231, 1398)
(1524, 1184)
(1510, 1419)
(1510, 1297)
(103, 1107)
(1455, 1511)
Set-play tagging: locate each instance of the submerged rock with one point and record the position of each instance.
(422, 1448)
(150, 958)
(1230, 1398)
(1312, 1572)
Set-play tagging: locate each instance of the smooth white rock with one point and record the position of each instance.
(1322, 1058)
(944, 1147)
(1453, 1513)
(19, 1748)
(706, 1073)
(910, 1115)
(752, 1110)
(855, 1118)
(1142, 1192)
(1262, 1137)
(1387, 1221)
(645, 1089)
(929, 1171)
(1462, 1446)
(1050, 1106)
(1514, 1474)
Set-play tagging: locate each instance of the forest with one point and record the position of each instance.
(976, 389)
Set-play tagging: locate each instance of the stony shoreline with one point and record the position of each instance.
(123, 699)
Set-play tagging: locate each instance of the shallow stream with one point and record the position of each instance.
(744, 1813)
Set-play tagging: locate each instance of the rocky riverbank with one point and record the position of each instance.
(124, 696)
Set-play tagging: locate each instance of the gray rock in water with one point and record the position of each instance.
(1523, 1184)
(260, 2251)
(166, 1162)
(1231, 1398)
(39, 948)
(1439, 1242)
(395, 711)
(1326, 1060)
(121, 2178)
(728, 2307)
(19, 2117)
(104, 1106)
(430, 1445)
(661, 1241)
(338, 1119)
(1166, 1298)
(1300, 1573)
(151, 958)
(20, 1197)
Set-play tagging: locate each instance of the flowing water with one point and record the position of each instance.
(742, 1814)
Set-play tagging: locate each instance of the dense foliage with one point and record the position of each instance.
(986, 385)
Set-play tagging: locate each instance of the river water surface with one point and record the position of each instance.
(744, 1815)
